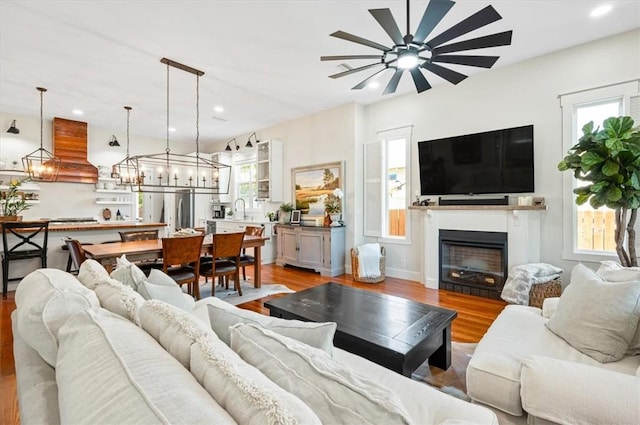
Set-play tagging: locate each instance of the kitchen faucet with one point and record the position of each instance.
(244, 207)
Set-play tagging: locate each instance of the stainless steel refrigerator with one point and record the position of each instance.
(185, 201)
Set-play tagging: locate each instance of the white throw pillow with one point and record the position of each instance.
(173, 328)
(222, 315)
(110, 371)
(595, 317)
(242, 390)
(91, 274)
(159, 286)
(128, 273)
(334, 392)
(120, 299)
(45, 299)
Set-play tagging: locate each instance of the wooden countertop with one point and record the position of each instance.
(101, 226)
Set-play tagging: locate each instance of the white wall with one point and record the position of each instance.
(524, 93)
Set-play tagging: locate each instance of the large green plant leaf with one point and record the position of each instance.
(610, 168)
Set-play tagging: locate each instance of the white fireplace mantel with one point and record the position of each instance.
(520, 223)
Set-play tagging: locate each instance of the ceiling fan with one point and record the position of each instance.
(411, 53)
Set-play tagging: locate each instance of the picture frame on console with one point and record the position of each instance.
(311, 185)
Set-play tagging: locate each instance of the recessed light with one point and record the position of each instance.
(373, 85)
(601, 10)
(172, 129)
(77, 112)
(218, 108)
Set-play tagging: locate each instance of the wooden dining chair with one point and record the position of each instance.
(225, 250)
(76, 254)
(21, 241)
(143, 235)
(181, 261)
(249, 260)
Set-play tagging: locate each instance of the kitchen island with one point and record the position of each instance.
(85, 232)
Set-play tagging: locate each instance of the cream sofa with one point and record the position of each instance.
(103, 355)
(525, 370)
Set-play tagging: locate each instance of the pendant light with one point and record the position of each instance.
(41, 165)
(170, 172)
(125, 171)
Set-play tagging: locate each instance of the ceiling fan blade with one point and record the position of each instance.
(349, 57)
(355, 39)
(419, 80)
(479, 61)
(393, 83)
(388, 23)
(433, 14)
(493, 40)
(473, 22)
(446, 73)
(351, 71)
(366, 82)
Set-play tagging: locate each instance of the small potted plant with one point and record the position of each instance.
(285, 216)
(333, 206)
(13, 202)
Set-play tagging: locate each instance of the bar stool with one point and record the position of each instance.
(18, 244)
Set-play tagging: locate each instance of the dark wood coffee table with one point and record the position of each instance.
(396, 333)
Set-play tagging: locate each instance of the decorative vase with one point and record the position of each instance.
(335, 219)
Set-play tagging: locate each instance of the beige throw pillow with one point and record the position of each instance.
(595, 317)
(334, 392)
(91, 274)
(128, 273)
(159, 286)
(242, 390)
(119, 299)
(222, 315)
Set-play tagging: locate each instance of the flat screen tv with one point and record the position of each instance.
(492, 162)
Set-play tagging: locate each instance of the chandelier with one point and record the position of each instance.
(171, 172)
(41, 165)
(125, 171)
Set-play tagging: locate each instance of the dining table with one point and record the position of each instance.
(107, 253)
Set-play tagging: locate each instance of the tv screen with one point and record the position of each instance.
(499, 161)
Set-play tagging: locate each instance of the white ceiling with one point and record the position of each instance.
(261, 59)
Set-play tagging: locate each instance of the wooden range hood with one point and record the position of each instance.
(70, 145)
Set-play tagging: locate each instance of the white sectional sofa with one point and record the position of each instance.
(105, 356)
(525, 370)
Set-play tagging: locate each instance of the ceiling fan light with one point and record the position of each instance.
(407, 59)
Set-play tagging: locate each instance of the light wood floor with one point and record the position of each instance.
(474, 317)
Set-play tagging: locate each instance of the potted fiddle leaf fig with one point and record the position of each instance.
(608, 159)
(13, 202)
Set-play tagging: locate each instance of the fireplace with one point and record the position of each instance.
(473, 262)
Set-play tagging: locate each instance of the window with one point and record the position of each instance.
(246, 186)
(589, 233)
(386, 185)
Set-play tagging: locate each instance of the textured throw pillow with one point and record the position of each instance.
(91, 274)
(119, 299)
(222, 315)
(110, 371)
(45, 299)
(242, 390)
(334, 392)
(597, 318)
(128, 273)
(173, 328)
(159, 286)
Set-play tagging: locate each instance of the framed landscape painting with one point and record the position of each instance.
(312, 184)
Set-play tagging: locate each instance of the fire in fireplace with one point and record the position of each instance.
(473, 262)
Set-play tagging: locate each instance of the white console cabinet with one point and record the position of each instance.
(319, 248)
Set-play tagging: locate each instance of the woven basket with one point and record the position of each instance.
(541, 291)
(355, 263)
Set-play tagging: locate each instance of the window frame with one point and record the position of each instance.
(379, 227)
(240, 160)
(569, 103)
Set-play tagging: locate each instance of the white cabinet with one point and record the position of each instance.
(319, 248)
(269, 171)
(224, 178)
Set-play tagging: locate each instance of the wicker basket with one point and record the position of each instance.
(354, 267)
(541, 291)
